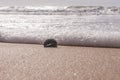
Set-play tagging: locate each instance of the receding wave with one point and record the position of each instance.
(87, 30)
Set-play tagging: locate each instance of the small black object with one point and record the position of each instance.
(50, 43)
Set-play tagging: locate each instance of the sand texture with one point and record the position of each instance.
(34, 62)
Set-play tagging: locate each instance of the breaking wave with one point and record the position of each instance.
(55, 10)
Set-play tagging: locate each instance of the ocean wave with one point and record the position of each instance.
(66, 10)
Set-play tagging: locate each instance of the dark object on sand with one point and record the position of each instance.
(50, 43)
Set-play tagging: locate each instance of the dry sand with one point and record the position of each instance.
(34, 62)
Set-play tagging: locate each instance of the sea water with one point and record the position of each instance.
(80, 30)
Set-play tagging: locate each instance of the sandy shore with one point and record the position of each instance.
(34, 62)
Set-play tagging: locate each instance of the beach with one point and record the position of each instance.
(34, 62)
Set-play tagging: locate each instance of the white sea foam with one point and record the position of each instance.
(86, 30)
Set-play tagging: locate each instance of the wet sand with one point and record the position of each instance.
(34, 62)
